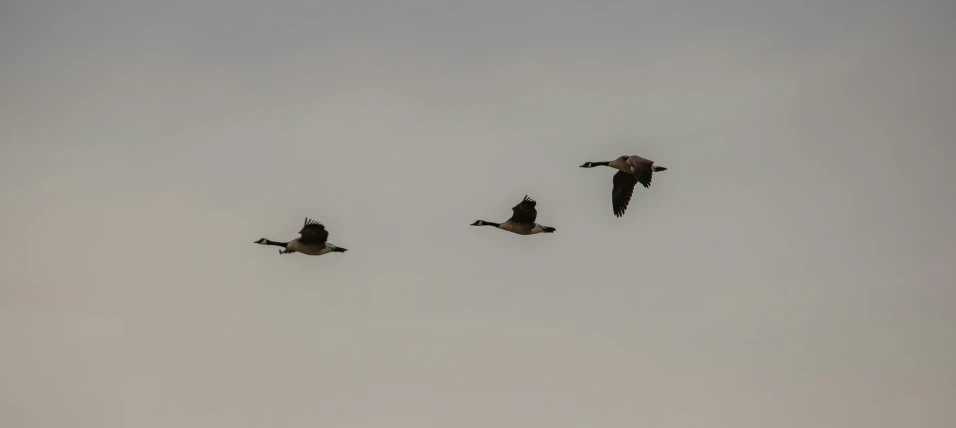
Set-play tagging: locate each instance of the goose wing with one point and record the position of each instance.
(525, 211)
(643, 169)
(622, 191)
(313, 232)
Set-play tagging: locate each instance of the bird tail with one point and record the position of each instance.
(659, 168)
(548, 229)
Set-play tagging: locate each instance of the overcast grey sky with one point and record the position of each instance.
(794, 267)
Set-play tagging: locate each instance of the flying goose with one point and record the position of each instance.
(311, 242)
(521, 221)
(631, 170)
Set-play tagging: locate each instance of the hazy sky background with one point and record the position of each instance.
(794, 267)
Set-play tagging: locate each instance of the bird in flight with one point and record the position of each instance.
(312, 240)
(522, 220)
(631, 170)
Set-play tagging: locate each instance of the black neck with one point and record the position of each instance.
(277, 244)
(600, 163)
(490, 223)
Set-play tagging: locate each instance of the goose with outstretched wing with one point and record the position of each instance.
(631, 170)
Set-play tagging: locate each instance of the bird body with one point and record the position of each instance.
(525, 228)
(309, 248)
